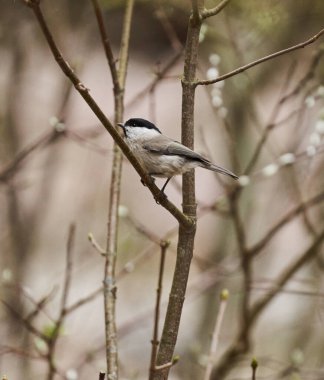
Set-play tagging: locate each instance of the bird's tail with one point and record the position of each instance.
(220, 170)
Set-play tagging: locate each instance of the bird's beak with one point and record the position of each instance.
(121, 125)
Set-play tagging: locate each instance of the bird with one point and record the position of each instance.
(162, 156)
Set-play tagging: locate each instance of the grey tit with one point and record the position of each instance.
(160, 155)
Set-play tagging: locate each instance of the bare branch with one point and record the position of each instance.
(90, 297)
(254, 250)
(215, 337)
(155, 341)
(186, 238)
(308, 255)
(143, 230)
(307, 77)
(226, 362)
(168, 28)
(26, 323)
(109, 281)
(96, 245)
(186, 221)
(258, 61)
(18, 351)
(124, 49)
(14, 165)
(254, 366)
(214, 11)
(68, 268)
(296, 292)
(272, 124)
(52, 339)
(158, 76)
(107, 46)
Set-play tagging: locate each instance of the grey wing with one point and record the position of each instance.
(167, 146)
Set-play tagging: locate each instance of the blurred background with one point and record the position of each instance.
(266, 125)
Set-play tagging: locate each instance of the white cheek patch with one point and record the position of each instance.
(140, 133)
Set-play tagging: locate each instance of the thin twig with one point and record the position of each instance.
(216, 333)
(15, 165)
(124, 47)
(18, 351)
(84, 141)
(202, 282)
(237, 349)
(158, 77)
(287, 274)
(109, 281)
(83, 301)
(155, 342)
(272, 124)
(143, 230)
(52, 339)
(186, 238)
(7, 172)
(167, 365)
(68, 267)
(39, 306)
(107, 46)
(254, 250)
(307, 77)
(96, 245)
(170, 31)
(260, 60)
(254, 366)
(296, 292)
(186, 221)
(214, 11)
(26, 323)
(244, 258)
(127, 268)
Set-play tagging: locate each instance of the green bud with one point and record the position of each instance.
(254, 363)
(224, 295)
(175, 359)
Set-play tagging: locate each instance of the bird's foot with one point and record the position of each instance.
(143, 183)
(160, 197)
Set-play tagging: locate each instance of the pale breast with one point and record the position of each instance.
(160, 165)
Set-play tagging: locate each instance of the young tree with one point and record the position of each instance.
(230, 206)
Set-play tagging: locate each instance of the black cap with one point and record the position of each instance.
(142, 123)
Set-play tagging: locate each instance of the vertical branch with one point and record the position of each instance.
(155, 342)
(106, 44)
(52, 339)
(245, 262)
(231, 355)
(186, 236)
(68, 267)
(124, 48)
(85, 93)
(215, 338)
(114, 196)
(254, 366)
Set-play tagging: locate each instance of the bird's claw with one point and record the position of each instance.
(144, 184)
(160, 198)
